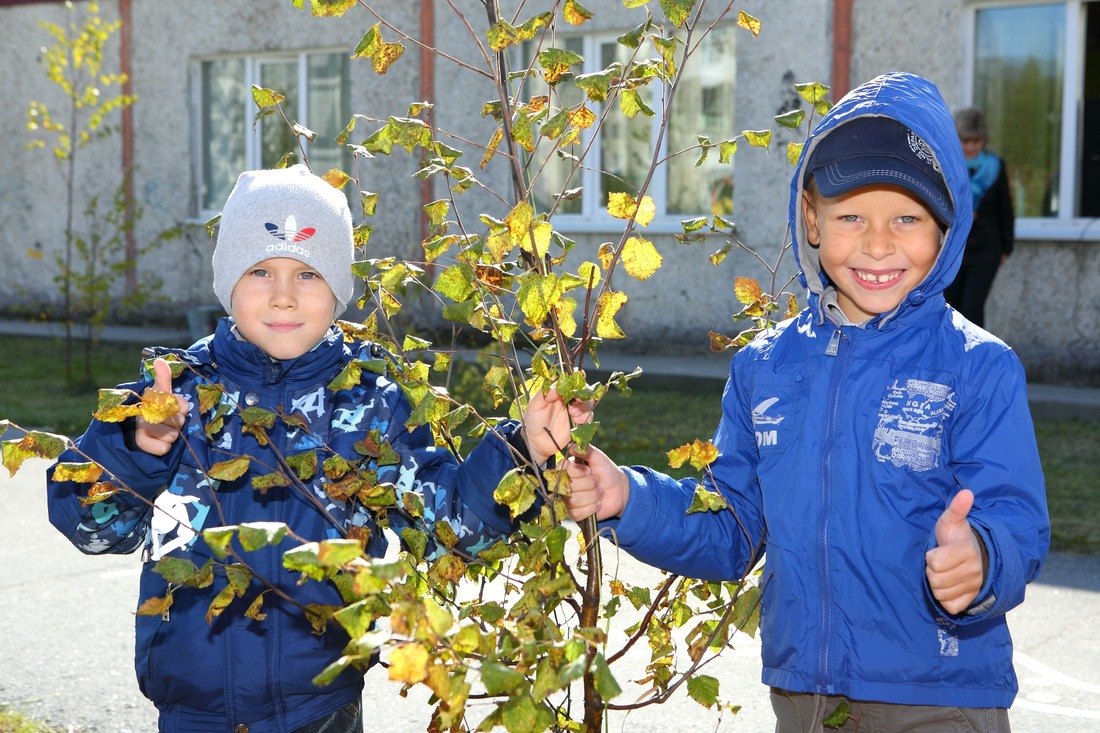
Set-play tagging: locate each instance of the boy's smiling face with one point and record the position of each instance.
(875, 243)
(283, 306)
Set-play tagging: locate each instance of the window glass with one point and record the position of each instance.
(223, 109)
(703, 106)
(622, 152)
(548, 172)
(233, 142)
(276, 137)
(1018, 81)
(327, 109)
(626, 144)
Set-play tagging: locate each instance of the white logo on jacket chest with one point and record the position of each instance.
(911, 418)
(766, 436)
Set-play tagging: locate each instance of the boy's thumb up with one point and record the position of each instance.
(162, 376)
(953, 524)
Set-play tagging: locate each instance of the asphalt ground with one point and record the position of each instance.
(67, 649)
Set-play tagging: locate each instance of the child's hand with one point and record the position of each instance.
(157, 438)
(954, 569)
(596, 486)
(547, 422)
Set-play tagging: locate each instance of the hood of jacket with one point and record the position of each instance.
(916, 103)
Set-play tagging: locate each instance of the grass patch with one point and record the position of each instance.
(662, 413)
(35, 395)
(13, 722)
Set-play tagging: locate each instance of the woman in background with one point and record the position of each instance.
(992, 233)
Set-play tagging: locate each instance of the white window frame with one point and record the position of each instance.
(253, 68)
(1066, 225)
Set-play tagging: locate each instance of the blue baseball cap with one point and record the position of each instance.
(871, 150)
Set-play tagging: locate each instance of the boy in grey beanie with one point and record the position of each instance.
(282, 269)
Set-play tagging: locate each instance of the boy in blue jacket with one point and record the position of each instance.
(282, 269)
(878, 448)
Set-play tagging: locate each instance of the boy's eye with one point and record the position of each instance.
(258, 272)
(908, 219)
(308, 275)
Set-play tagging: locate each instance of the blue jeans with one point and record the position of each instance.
(348, 719)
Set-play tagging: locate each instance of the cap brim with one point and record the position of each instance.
(844, 176)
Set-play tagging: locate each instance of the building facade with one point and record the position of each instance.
(1034, 67)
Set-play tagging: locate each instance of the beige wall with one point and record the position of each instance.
(1052, 320)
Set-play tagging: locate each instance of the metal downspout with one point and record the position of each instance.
(842, 49)
(125, 14)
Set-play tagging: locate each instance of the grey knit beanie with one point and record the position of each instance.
(285, 213)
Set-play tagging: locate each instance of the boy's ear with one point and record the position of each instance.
(809, 215)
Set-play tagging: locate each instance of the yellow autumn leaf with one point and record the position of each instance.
(564, 311)
(156, 407)
(590, 273)
(640, 258)
(574, 13)
(607, 255)
(748, 22)
(606, 310)
(747, 290)
(624, 206)
(793, 151)
(621, 205)
(409, 664)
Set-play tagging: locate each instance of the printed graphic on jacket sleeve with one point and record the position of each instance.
(762, 422)
(910, 424)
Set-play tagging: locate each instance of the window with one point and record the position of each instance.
(620, 154)
(1036, 75)
(232, 140)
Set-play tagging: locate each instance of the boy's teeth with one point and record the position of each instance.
(873, 278)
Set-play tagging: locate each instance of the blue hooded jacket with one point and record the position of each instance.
(840, 445)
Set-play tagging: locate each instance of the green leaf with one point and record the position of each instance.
(416, 542)
(537, 296)
(175, 570)
(605, 683)
(265, 98)
(556, 62)
(326, 8)
(517, 491)
(597, 85)
(500, 679)
(338, 553)
(812, 92)
(705, 500)
(231, 469)
(254, 535)
(678, 11)
(218, 539)
(758, 138)
(703, 689)
(838, 717)
(791, 119)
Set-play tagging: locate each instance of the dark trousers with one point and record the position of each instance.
(348, 719)
(804, 713)
(971, 288)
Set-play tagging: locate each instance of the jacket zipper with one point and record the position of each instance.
(836, 379)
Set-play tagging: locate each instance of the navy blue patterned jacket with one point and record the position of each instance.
(213, 676)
